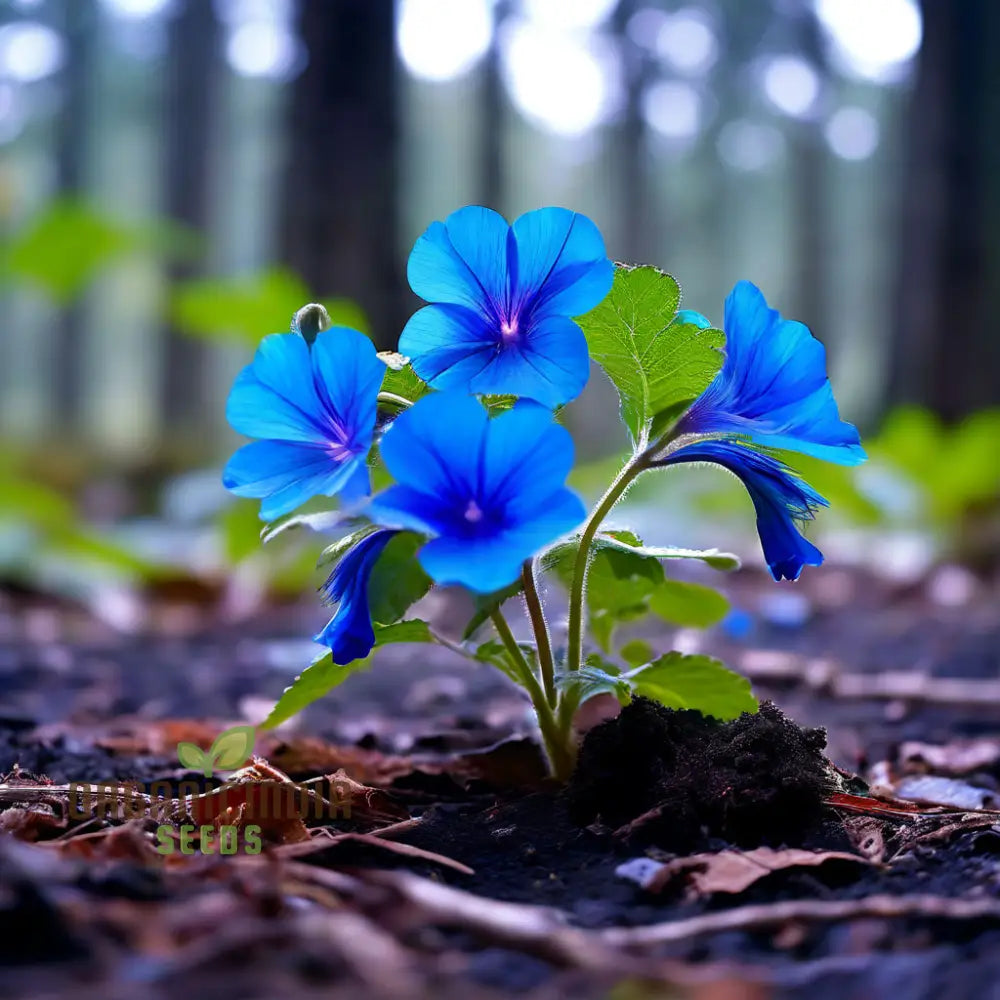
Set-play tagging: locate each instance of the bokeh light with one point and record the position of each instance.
(873, 39)
(673, 109)
(686, 40)
(443, 39)
(750, 146)
(29, 51)
(852, 133)
(565, 82)
(139, 9)
(263, 49)
(791, 84)
(569, 13)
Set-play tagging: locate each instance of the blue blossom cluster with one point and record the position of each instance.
(488, 492)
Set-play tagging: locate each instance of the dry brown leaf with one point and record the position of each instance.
(736, 871)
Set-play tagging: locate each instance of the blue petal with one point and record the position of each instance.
(284, 475)
(550, 365)
(779, 497)
(274, 397)
(562, 268)
(526, 455)
(407, 508)
(348, 378)
(349, 634)
(448, 345)
(488, 563)
(773, 386)
(435, 446)
(462, 261)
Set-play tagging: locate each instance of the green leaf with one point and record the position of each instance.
(696, 682)
(233, 747)
(495, 654)
(619, 584)
(194, 758)
(66, 246)
(245, 309)
(595, 677)
(400, 378)
(486, 604)
(495, 405)
(315, 681)
(397, 580)
(690, 604)
(655, 362)
(332, 554)
(410, 630)
(636, 652)
(626, 541)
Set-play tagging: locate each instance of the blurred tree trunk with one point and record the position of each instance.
(946, 351)
(340, 218)
(191, 97)
(72, 160)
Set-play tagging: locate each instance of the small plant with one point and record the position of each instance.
(462, 428)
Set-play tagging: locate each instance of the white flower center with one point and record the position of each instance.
(473, 513)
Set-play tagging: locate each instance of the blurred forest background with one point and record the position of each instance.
(177, 176)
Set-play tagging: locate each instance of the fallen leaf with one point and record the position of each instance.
(736, 871)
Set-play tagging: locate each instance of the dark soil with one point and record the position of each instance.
(651, 782)
(759, 779)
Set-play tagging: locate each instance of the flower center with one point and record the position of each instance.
(508, 330)
(473, 513)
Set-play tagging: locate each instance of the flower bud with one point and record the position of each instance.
(310, 321)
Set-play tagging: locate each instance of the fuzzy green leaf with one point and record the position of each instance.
(636, 652)
(696, 682)
(318, 521)
(595, 677)
(656, 362)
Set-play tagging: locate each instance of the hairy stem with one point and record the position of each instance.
(536, 612)
(558, 746)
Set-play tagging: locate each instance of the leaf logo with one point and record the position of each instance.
(231, 749)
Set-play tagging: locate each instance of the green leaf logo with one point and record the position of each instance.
(231, 749)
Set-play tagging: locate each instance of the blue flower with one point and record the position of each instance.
(314, 409)
(503, 297)
(779, 496)
(349, 634)
(773, 387)
(491, 493)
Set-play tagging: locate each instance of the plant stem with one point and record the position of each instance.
(536, 612)
(614, 493)
(570, 700)
(560, 750)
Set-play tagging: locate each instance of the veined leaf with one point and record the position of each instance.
(313, 683)
(695, 682)
(655, 360)
(400, 378)
(627, 541)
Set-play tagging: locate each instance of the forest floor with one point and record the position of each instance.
(687, 858)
